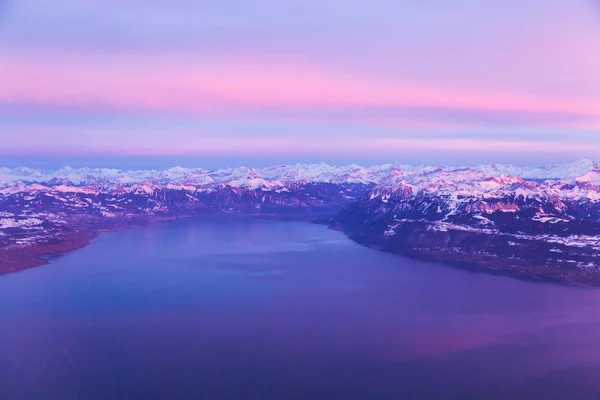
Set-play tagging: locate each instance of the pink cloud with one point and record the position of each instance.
(230, 85)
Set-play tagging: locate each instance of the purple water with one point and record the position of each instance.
(253, 309)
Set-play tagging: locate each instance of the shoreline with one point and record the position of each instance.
(482, 268)
(511, 268)
(19, 258)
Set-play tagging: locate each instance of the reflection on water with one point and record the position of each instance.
(269, 310)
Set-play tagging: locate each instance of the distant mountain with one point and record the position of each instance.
(538, 223)
(382, 174)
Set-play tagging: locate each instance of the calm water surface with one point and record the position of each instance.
(270, 310)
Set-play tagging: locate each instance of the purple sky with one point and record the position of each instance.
(301, 80)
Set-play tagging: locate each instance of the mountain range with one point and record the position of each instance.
(535, 223)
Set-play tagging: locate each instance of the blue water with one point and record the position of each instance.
(277, 310)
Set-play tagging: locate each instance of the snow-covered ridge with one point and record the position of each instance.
(450, 177)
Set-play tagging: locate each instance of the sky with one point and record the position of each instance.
(235, 82)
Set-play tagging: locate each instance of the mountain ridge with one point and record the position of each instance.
(287, 173)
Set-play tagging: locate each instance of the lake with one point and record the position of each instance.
(250, 309)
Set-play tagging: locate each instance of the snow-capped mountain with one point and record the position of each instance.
(387, 174)
(533, 222)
